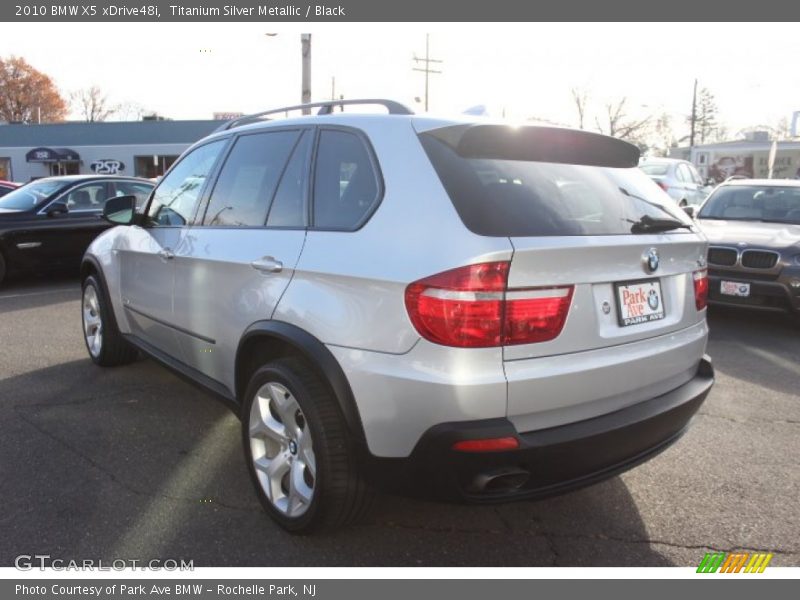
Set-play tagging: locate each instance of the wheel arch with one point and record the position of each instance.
(265, 340)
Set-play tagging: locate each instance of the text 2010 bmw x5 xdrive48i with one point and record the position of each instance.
(459, 308)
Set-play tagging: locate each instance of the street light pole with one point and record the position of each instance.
(694, 116)
(305, 43)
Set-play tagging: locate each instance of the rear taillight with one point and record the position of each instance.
(700, 288)
(663, 185)
(472, 307)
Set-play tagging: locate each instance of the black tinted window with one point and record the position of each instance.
(176, 197)
(289, 206)
(248, 179)
(498, 197)
(345, 183)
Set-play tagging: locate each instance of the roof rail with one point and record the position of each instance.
(325, 108)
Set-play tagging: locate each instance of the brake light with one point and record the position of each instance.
(472, 307)
(700, 288)
(663, 185)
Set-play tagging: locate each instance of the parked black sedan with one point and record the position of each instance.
(753, 229)
(47, 224)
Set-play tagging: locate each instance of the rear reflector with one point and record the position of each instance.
(471, 307)
(490, 445)
(700, 288)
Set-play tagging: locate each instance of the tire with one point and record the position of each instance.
(2, 268)
(683, 203)
(303, 492)
(104, 342)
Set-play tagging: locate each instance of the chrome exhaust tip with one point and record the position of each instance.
(498, 481)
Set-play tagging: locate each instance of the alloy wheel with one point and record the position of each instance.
(282, 450)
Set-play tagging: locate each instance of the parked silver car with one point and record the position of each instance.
(678, 178)
(447, 307)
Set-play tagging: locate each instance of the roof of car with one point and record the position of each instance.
(70, 178)
(662, 159)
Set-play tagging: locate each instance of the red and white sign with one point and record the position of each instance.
(640, 302)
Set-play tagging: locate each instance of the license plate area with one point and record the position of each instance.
(734, 288)
(639, 302)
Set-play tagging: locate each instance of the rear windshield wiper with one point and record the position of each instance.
(648, 224)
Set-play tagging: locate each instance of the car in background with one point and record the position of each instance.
(678, 178)
(7, 186)
(47, 224)
(753, 228)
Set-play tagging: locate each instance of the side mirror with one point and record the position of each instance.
(57, 209)
(690, 210)
(120, 210)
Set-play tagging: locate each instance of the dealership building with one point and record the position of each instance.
(141, 148)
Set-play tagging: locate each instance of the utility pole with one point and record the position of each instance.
(427, 70)
(305, 43)
(694, 116)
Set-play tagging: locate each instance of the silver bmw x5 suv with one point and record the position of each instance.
(456, 308)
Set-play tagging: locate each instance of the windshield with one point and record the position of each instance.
(28, 196)
(754, 203)
(655, 168)
(498, 197)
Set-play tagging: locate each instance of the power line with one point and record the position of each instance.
(427, 70)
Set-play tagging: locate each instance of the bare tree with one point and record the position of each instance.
(93, 104)
(131, 111)
(27, 95)
(580, 96)
(621, 125)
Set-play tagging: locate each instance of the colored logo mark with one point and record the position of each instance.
(734, 562)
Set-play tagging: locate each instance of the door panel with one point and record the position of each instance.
(146, 282)
(219, 293)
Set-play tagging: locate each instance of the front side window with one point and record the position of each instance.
(175, 199)
(86, 197)
(248, 179)
(345, 182)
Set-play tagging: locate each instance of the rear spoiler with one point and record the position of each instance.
(538, 144)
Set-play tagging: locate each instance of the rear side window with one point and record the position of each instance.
(655, 168)
(520, 198)
(346, 185)
(289, 206)
(248, 179)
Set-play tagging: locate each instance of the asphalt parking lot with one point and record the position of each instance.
(134, 463)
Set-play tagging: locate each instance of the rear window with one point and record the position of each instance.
(520, 198)
(754, 203)
(654, 169)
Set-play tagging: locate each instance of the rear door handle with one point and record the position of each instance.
(166, 254)
(267, 264)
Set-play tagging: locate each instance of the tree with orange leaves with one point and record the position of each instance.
(27, 95)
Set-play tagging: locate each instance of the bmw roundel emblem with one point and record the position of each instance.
(651, 260)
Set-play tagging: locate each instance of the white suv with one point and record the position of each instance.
(455, 308)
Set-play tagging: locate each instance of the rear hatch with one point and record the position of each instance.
(586, 225)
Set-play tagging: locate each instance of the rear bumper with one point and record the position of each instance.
(550, 461)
